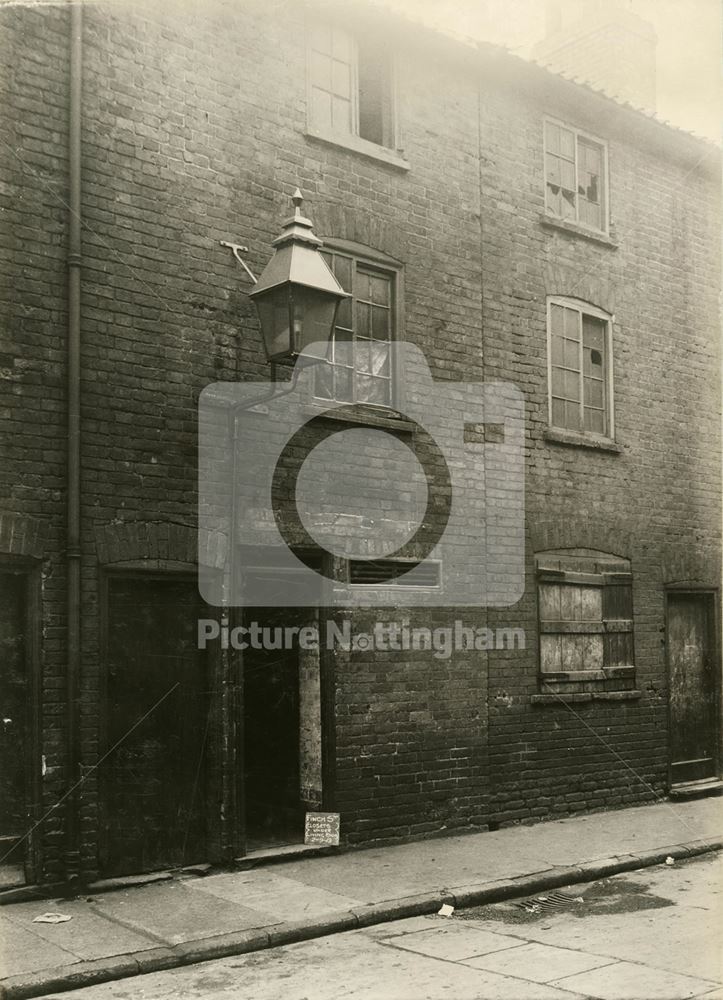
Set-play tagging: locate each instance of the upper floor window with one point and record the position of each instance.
(575, 176)
(580, 368)
(361, 364)
(350, 84)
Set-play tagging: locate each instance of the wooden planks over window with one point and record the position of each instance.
(586, 621)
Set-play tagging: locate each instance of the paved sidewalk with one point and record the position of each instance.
(180, 921)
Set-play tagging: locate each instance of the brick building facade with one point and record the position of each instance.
(519, 228)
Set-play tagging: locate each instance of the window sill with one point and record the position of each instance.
(356, 144)
(360, 417)
(574, 229)
(571, 439)
(607, 674)
(555, 699)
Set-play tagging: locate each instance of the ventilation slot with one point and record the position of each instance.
(393, 573)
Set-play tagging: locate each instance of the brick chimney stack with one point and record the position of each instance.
(605, 45)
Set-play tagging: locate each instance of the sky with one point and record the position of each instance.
(689, 49)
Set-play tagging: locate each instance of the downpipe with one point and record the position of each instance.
(73, 551)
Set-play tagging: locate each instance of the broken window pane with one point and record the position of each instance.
(568, 204)
(574, 179)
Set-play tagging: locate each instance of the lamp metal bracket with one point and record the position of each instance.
(238, 249)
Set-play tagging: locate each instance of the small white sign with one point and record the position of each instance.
(322, 828)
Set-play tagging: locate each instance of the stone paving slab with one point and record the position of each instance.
(629, 981)
(171, 913)
(22, 951)
(274, 896)
(538, 962)
(454, 943)
(86, 936)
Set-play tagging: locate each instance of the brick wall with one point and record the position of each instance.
(33, 189)
(655, 503)
(194, 132)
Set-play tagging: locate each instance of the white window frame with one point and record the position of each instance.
(375, 261)
(352, 139)
(604, 187)
(584, 308)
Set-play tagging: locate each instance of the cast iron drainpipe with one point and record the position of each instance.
(72, 808)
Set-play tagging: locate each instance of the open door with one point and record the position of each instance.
(282, 731)
(693, 686)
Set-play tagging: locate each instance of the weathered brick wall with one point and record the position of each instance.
(656, 503)
(194, 121)
(194, 133)
(33, 233)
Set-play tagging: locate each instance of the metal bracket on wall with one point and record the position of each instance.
(238, 249)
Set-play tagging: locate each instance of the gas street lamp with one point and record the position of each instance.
(297, 295)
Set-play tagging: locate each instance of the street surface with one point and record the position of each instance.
(649, 935)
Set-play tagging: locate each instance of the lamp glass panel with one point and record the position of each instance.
(314, 314)
(273, 310)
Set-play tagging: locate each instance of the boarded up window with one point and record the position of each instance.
(586, 618)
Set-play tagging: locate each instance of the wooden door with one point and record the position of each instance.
(153, 781)
(693, 687)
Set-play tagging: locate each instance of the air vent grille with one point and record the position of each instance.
(393, 573)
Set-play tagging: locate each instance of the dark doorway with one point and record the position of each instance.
(281, 721)
(157, 702)
(15, 740)
(693, 687)
(271, 743)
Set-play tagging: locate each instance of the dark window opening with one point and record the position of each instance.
(375, 105)
(350, 84)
